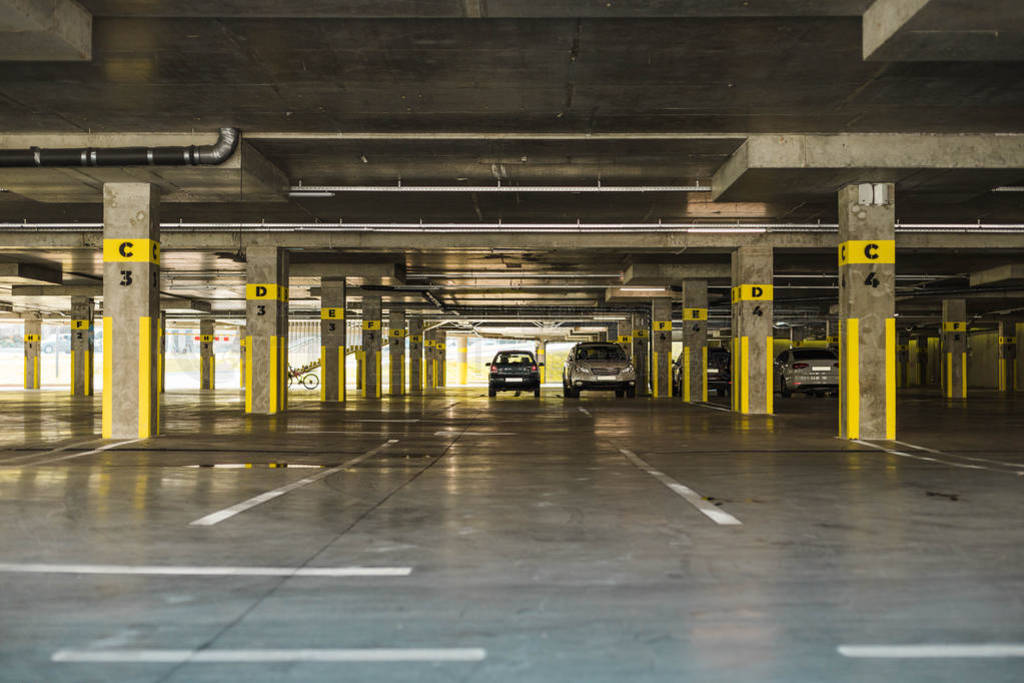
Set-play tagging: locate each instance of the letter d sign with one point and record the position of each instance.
(261, 291)
(756, 292)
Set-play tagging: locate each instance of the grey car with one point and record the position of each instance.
(598, 366)
(810, 371)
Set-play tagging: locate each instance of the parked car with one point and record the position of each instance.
(810, 371)
(598, 366)
(514, 371)
(719, 372)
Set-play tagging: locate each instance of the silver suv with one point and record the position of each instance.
(807, 370)
(599, 366)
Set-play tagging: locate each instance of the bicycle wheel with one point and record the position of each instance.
(311, 381)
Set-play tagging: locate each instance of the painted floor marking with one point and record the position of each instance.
(714, 407)
(455, 432)
(954, 455)
(932, 651)
(92, 452)
(584, 411)
(715, 513)
(264, 656)
(152, 570)
(50, 452)
(229, 512)
(951, 463)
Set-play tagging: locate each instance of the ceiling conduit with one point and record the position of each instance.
(203, 155)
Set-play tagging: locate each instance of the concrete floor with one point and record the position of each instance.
(529, 533)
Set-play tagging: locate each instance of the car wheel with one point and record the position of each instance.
(631, 392)
(619, 393)
(536, 392)
(784, 390)
(492, 392)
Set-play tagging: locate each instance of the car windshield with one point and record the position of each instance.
(813, 354)
(513, 358)
(609, 352)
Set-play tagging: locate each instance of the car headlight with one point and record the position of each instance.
(628, 368)
(584, 370)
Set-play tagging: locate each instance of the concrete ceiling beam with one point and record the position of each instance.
(45, 31)
(674, 273)
(359, 272)
(1011, 273)
(944, 30)
(18, 273)
(96, 292)
(245, 176)
(774, 167)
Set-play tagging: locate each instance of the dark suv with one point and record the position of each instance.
(719, 368)
(514, 371)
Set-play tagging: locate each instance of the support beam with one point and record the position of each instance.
(944, 31)
(397, 335)
(1018, 366)
(333, 340)
(542, 360)
(416, 362)
(82, 345)
(1007, 360)
(867, 305)
(372, 330)
(207, 370)
(266, 343)
(14, 273)
(33, 342)
(752, 310)
(45, 31)
(694, 384)
(131, 310)
(954, 348)
(661, 348)
(641, 353)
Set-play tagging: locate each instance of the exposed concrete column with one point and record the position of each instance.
(933, 361)
(463, 360)
(444, 358)
(752, 309)
(429, 361)
(917, 360)
(902, 363)
(867, 305)
(371, 346)
(661, 348)
(207, 331)
(954, 347)
(416, 370)
(161, 359)
(625, 336)
(397, 334)
(542, 360)
(33, 341)
(131, 310)
(641, 338)
(332, 340)
(266, 293)
(1007, 357)
(241, 356)
(694, 381)
(82, 321)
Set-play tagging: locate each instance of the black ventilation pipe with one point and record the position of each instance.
(204, 155)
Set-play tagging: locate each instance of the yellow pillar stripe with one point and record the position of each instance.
(695, 314)
(745, 364)
(332, 313)
(273, 376)
(1002, 374)
(266, 291)
(248, 374)
(108, 376)
(890, 378)
(145, 377)
(704, 374)
(686, 374)
(770, 377)
(379, 360)
(753, 292)
(35, 372)
(88, 372)
(852, 330)
(32, 337)
(657, 374)
(867, 252)
(131, 251)
(341, 374)
(963, 375)
(954, 326)
(949, 375)
(72, 372)
(371, 324)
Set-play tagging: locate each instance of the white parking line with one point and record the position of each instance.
(584, 411)
(932, 651)
(229, 512)
(151, 570)
(81, 455)
(455, 432)
(954, 455)
(714, 407)
(264, 656)
(951, 463)
(20, 458)
(716, 514)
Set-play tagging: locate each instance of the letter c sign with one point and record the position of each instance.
(125, 249)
